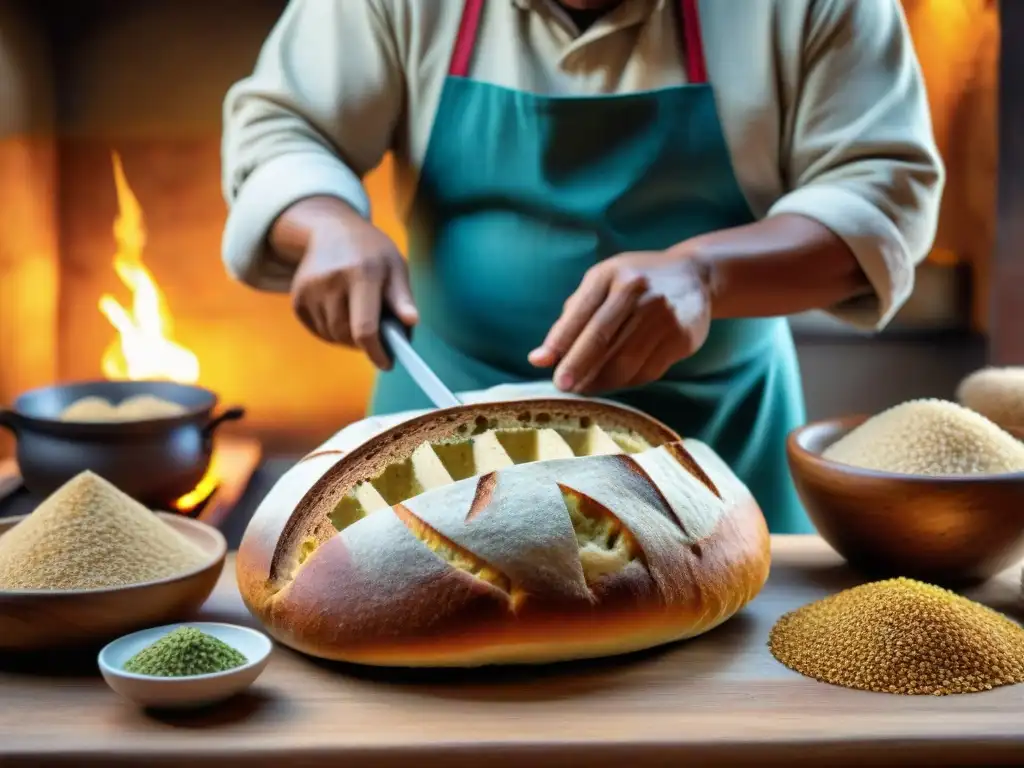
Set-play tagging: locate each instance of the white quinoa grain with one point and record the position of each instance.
(89, 534)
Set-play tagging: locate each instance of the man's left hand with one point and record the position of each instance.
(632, 318)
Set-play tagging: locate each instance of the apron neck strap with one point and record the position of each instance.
(693, 43)
(689, 22)
(465, 40)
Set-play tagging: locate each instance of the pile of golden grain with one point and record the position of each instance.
(88, 535)
(901, 636)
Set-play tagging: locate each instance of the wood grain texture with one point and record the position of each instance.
(720, 699)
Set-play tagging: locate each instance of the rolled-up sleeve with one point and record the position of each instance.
(861, 156)
(317, 113)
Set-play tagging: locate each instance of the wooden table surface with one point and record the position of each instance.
(720, 699)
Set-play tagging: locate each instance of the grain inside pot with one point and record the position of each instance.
(89, 534)
(901, 636)
(137, 408)
(929, 437)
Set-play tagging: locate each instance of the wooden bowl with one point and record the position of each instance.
(949, 530)
(35, 620)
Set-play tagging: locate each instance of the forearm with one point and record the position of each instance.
(316, 114)
(781, 265)
(292, 231)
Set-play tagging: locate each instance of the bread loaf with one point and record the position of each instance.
(517, 532)
(997, 394)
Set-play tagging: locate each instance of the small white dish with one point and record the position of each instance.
(193, 691)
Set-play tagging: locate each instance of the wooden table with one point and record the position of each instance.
(720, 699)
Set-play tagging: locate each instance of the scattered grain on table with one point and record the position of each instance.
(929, 437)
(901, 636)
(89, 534)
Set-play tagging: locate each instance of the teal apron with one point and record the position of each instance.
(520, 194)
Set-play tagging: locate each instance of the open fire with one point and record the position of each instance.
(144, 348)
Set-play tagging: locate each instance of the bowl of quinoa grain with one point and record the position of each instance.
(90, 563)
(928, 490)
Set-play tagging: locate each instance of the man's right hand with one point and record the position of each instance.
(348, 268)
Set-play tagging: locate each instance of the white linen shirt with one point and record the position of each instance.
(822, 105)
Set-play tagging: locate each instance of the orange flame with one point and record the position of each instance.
(202, 491)
(145, 349)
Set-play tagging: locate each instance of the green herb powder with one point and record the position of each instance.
(184, 652)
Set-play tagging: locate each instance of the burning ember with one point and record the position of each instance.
(144, 349)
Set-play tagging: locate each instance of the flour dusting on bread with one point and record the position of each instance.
(524, 532)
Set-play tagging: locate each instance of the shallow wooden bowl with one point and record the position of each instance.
(36, 620)
(944, 530)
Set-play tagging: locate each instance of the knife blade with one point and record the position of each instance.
(396, 343)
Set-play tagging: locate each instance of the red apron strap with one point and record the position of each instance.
(465, 40)
(693, 43)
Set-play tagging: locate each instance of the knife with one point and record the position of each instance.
(396, 343)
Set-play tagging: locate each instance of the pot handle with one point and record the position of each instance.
(9, 420)
(229, 414)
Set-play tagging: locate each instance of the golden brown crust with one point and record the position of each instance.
(463, 575)
(474, 625)
(997, 394)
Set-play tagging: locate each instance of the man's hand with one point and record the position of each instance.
(349, 268)
(631, 319)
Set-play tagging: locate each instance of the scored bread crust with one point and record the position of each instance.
(537, 562)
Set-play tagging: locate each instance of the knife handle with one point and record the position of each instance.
(393, 332)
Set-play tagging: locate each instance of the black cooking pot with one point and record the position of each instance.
(156, 461)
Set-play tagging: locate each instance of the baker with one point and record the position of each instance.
(627, 196)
